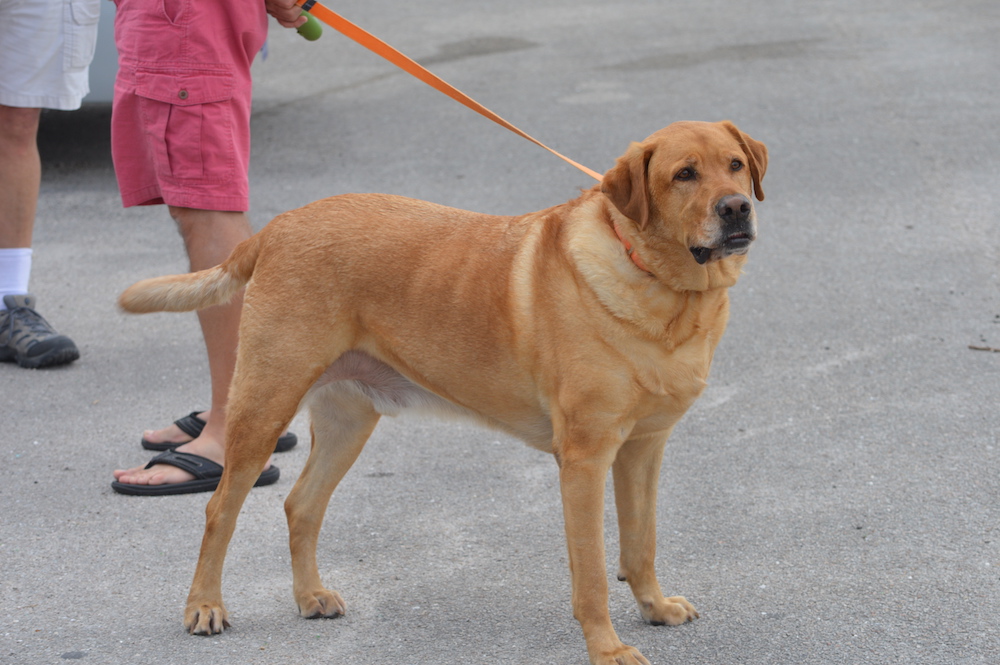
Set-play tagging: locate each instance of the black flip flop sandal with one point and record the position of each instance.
(207, 475)
(192, 425)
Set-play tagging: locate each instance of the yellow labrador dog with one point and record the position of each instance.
(586, 329)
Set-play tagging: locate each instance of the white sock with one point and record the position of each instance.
(15, 268)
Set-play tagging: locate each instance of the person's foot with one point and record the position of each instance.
(190, 427)
(172, 434)
(165, 474)
(27, 339)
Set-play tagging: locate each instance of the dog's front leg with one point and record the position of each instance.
(583, 471)
(636, 473)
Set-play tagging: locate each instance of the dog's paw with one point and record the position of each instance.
(206, 618)
(321, 604)
(671, 611)
(623, 655)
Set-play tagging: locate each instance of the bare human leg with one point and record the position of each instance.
(209, 237)
(20, 175)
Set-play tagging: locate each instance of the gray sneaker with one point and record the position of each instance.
(28, 339)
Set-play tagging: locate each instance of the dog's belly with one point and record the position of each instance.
(393, 394)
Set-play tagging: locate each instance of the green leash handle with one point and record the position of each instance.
(311, 30)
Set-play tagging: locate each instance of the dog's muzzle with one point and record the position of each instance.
(735, 213)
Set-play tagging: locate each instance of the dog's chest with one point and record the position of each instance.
(669, 382)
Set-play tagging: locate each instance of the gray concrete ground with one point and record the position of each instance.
(831, 499)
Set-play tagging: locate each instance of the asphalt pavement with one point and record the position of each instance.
(832, 498)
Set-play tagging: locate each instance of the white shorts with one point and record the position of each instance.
(45, 50)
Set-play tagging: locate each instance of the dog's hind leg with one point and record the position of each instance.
(636, 472)
(342, 420)
(262, 402)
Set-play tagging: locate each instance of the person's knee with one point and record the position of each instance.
(192, 221)
(19, 126)
(186, 223)
(210, 235)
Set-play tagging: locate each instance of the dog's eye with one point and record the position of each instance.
(685, 174)
(736, 165)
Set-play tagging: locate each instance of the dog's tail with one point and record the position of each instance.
(196, 290)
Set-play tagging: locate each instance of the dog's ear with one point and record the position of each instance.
(626, 184)
(756, 154)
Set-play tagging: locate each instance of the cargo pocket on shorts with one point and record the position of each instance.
(80, 26)
(189, 118)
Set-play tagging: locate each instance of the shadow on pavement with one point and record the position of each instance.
(76, 139)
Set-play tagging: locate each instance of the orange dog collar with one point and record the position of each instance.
(630, 251)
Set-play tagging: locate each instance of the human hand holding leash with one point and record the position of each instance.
(289, 15)
(286, 12)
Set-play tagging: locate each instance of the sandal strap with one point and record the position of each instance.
(191, 424)
(198, 466)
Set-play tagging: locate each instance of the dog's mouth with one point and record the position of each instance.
(701, 254)
(736, 243)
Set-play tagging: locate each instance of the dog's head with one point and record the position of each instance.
(689, 187)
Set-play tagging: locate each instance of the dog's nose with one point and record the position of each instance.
(733, 208)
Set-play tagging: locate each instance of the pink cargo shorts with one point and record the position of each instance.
(180, 126)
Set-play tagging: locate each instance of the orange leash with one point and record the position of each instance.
(376, 45)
